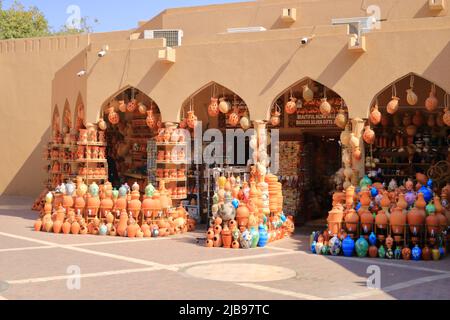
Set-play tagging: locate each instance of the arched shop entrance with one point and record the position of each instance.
(217, 107)
(127, 134)
(411, 137)
(310, 118)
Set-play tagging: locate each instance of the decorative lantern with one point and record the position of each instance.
(191, 119)
(369, 135)
(224, 105)
(234, 117)
(142, 108)
(325, 107)
(213, 108)
(375, 115)
(245, 122)
(291, 105)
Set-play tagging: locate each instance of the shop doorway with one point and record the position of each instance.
(322, 159)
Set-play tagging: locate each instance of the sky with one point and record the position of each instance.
(111, 14)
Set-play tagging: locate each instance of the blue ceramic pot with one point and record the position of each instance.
(373, 239)
(427, 193)
(103, 230)
(263, 236)
(313, 247)
(416, 253)
(398, 253)
(335, 246)
(348, 246)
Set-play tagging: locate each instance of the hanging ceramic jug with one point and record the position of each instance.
(213, 108)
(132, 105)
(411, 96)
(291, 105)
(122, 106)
(446, 116)
(224, 106)
(369, 135)
(432, 102)
(308, 94)
(234, 117)
(142, 108)
(341, 119)
(275, 119)
(113, 116)
(393, 105)
(191, 119)
(375, 115)
(325, 107)
(245, 122)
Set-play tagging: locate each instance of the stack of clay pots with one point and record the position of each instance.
(100, 210)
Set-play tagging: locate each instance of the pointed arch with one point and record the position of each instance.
(67, 117)
(56, 122)
(80, 113)
(421, 85)
(201, 99)
(295, 90)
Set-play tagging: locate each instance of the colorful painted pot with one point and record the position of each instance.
(398, 253)
(416, 253)
(382, 253)
(373, 239)
(335, 246)
(348, 246)
(389, 254)
(362, 247)
(263, 237)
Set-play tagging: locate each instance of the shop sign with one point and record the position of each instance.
(310, 116)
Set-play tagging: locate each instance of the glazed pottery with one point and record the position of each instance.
(362, 247)
(369, 135)
(432, 102)
(255, 236)
(373, 252)
(389, 254)
(389, 242)
(393, 105)
(263, 236)
(348, 246)
(103, 230)
(416, 253)
(406, 253)
(398, 253)
(335, 245)
(382, 253)
(372, 239)
(435, 254)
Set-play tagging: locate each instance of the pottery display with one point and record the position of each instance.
(362, 247)
(348, 246)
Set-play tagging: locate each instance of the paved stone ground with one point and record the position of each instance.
(34, 265)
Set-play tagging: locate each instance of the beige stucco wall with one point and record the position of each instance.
(258, 66)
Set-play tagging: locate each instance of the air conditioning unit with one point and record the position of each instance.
(436, 5)
(289, 15)
(173, 36)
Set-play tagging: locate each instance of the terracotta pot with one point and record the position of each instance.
(351, 221)
(38, 225)
(432, 102)
(291, 106)
(432, 223)
(365, 198)
(426, 253)
(369, 135)
(406, 254)
(416, 219)
(381, 220)
(132, 230)
(113, 116)
(48, 225)
(242, 215)
(123, 224)
(373, 252)
(393, 105)
(335, 219)
(235, 244)
(57, 226)
(420, 202)
(375, 116)
(213, 108)
(217, 241)
(398, 221)
(209, 243)
(402, 204)
(234, 118)
(66, 227)
(367, 221)
(227, 238)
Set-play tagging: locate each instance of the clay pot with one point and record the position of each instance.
(191, 119)
(415, 220)
(381, 220)
(365, 198)
(420, 202)
(308, 94)
(375, 116)
(75, 228)
(369, 135)
(367, 221)
(66, 227)
(411, 97)
(209, 243)
(432, 102)
(235, 245)
(57, 226)
(398, 221)
(402, 204)
(38, 225)
(406, 254)
(275, 119)
(227, 238)
(123, 224)
(291, 106)
(48, 225)
(213, 108)
(426, 253)
(432, 223)
(242, 215)
(210, 234)
(341, 119)
(224, 106)
(132, 230)
(325, 107)
(373, 252)
(351, 221)
(113, 116)
(393, 105)
(217, 241)
(234, 118)
(335, 219)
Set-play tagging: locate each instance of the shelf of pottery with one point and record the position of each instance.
(85, 157)
(405, 140)
(290, 175)
(100, 210)
(406, 222)
(172, 161)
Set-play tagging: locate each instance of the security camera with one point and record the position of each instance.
(101, 54)
(304, 41)
(81, 73)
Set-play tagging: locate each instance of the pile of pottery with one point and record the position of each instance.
(396, 223)
(100, 210)
(248, 215)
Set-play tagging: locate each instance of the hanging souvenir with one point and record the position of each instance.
(245, 122)
(375, 115)
(224, 105)
(431, 103)
(341, 118)
(113, 116)
(393, 105)
(142, 108)
(275, 119)
(213, 108)
(151, 119)
(191, 119)
(308, 94)
(234, 117)
(369, 135)
(411, 96)
(325, 107)
(132, 104)
(291, 105)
